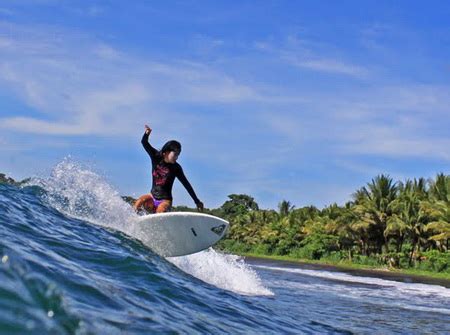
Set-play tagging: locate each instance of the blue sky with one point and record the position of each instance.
(298, 100)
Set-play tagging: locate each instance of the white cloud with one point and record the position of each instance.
(305, 54)
(395, 146)
(405, 121)
(107, 52)
(329, 66)
(83, 84)
(30, 125)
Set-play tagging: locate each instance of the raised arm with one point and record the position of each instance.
(152, 152)
(187, 185)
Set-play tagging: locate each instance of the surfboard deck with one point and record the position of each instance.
(179, 233)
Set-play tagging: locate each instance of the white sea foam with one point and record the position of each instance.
(410, 288)
(410, 296)
(228, 272)
(75, 190)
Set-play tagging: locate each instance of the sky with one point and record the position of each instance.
(304, 101)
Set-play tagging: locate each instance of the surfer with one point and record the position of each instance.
(164, 171)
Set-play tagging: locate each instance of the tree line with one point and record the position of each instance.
(397, 223)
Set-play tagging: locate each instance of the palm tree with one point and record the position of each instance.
(440, 225)
(285, 207)
(440, 188)
(439, 209)
(342, 224)
(408, 216)
(373, 205)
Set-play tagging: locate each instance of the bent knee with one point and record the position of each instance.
(164, 206)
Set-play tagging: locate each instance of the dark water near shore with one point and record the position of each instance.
(71, 264)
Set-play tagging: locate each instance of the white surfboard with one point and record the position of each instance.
(179, 233)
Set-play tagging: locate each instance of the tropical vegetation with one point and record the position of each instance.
(387, 223)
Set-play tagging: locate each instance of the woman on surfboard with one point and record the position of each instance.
(164, 171)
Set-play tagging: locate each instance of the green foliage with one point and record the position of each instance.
(233, 246)
(435, 261)
(440, 188)
(183, 209)
(367, 260)
(388, 223)
(261, 249)
(239, 204)
(284, 208)
(373, 206)
(335, 256)
(315, 246)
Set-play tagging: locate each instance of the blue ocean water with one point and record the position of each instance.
(71, 264)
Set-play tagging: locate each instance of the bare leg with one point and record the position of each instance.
(145, 201)
(164, 206)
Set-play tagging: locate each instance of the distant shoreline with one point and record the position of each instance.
(388, 274)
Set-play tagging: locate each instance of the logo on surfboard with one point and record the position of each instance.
(218, 229)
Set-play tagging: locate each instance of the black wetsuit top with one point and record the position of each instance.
(164, 174)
